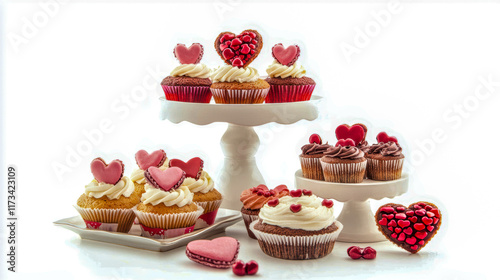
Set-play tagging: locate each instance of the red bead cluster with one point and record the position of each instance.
(356, 252)
(238, 49)
(241, 268)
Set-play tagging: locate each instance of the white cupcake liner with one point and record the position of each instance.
(168, 221)
(116, 220)
(384, 170)
(344, 172)
(210, 209)
(239, 96)
(296, 247)
(311, 168)
(248, 219)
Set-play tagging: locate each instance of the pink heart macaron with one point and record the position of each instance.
(286, 56)
(220, 252)
(145, 160)
(170, 178)
(193, 168)
(191, 55)
(107, 173)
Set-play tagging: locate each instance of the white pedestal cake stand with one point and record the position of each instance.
(356, 216)
(240, 142)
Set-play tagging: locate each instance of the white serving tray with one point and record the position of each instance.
(225, 218)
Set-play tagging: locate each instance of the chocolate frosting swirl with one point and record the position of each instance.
(363, 146)
(314, 149)
(344, 152)
(386, 149)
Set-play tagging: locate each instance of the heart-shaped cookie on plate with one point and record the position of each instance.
(411, 228)
(239, 50)
(220, 252)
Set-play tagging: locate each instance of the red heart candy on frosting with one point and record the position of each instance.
(191, 55)
(146, 160)
(286, 56)
(315, 138)
(296, 193)
(382, 137)
(415, 233)
(170, 178)
(239, 50)
(355, 132)
(220, 252)
(345, 142)
(107, 173)
(193, 168)
(295, 208)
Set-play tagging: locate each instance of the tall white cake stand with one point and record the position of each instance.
(240, 142)
(356, 216)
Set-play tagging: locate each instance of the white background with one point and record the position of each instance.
(71, 66)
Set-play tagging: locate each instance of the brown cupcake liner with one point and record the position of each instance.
(311, 168)
(384, 170)
(207, 218)
(296, 247)
(168, 221)
(239, 96)
(116, 220)
(248, 219)
(344, 172)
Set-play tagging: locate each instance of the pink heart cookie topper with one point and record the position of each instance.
(168, 179)
(191, 55)
(146, 160)
(382, 137)
(355, 132)
(286, 56)
(220, 252)
(345, 142)
(107, 173)
(193, 168)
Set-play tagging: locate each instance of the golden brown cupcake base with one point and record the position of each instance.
(104, 202)
(162, 209)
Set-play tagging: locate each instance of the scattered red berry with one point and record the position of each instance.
(355, 252)
(239, 268)
(252, 267)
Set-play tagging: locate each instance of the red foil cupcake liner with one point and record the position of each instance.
(289, 93)
(195, 94)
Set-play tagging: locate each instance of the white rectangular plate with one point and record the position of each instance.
(225, 218)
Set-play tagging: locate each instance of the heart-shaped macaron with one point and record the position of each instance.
(220, 252)
(191, 55)
(193, 168)
(239, 50)
(382, 137)
(170, 178)
(315, 138)
(286, 56)
(107, 173)
(410, 228)
(355, 132)
(146, 160)
(345, 142)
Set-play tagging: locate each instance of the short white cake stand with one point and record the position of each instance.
(240, 142)
(356, 216)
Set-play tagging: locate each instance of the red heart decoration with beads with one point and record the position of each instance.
(286, 56)
(191, 55)
(193, 168)
(382, 137)
(410, 228)
(170, 178)
(345, 142)
(107, 173)
(146, 160)
(239, 50)
(355, 132)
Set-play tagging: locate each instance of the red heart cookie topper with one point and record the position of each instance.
(315, 138)
(345, 142)
(193, 168)
(410, 228)
(170, 178)
(239, 50)
(355, 132)
(382, 137)
(286, 56)
(220, 252)
(145, 160)
(191, 55)
(107, 173)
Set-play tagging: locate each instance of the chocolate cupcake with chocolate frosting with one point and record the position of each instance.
(344, 163)
(310, 158)
(385, 161)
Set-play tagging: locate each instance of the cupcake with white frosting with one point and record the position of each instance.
(166, 208)
(206, 196)
(189, 81)
(297, 227)
(109, 198)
